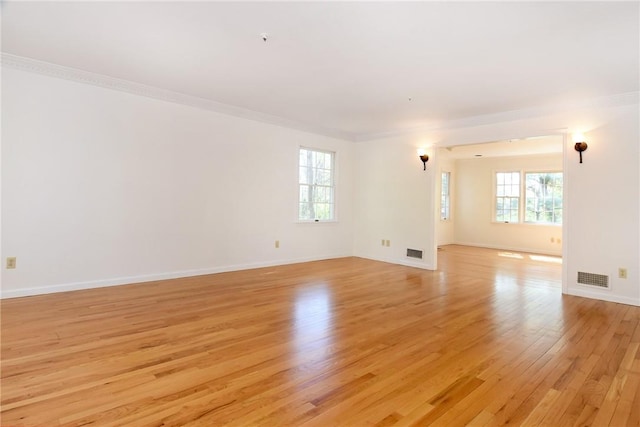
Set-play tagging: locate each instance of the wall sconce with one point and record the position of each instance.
(580, 146)
(423, 157)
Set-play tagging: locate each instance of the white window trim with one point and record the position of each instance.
(524, 201)
(334, 167)
(495, 197)
(521, 199)
(448, 219)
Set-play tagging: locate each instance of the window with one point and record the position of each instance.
(543, 200)
(445, 199)
(316, 185)
(507, 196)
(542, 193)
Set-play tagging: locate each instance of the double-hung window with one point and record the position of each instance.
(445, 196)
(529, 197)
(316, 177)
(507, 196)
(543, 197)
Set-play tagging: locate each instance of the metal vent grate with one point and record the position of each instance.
(592, 279)
(414, 253)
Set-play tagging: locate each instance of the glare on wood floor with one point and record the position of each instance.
(485, 340)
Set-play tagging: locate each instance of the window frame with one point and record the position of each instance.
(522, 198)
(494, 204)
(332, 186)
(445, 196)
(524, 201)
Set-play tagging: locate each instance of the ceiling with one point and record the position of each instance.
(353, 69)
(547, 144)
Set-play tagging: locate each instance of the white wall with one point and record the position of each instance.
(394, 201)
(601, 231)
(102, 187)
(603, 226)
(474, 223)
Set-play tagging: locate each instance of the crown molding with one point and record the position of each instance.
(101, 80)
(628, 98)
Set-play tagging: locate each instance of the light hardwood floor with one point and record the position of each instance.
(487, 340)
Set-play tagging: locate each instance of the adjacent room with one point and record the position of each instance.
(320, 213)
(502, 195)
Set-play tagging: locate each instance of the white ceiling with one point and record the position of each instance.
(347, 67)
(548, 144)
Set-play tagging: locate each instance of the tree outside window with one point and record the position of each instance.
(542, 193)
(543, 201)
(316, 185)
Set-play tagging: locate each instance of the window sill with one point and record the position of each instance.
(532, 224)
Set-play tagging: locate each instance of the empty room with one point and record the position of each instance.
(320, 213)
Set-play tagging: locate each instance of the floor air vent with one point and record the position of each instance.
(414, 253)
(592, 279)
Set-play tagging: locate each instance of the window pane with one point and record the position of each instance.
(304, 175)
(323, 177)
(315, 178)
(318, 160)
(513, 191)
(507, 197)
(445, 199)
(304, 193)
(303, 212)
(319, 194)
(328, 160)
(543, 197)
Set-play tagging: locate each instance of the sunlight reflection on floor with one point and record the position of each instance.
(546, 258)
(510, 255)
(542, 258)
(313, 324)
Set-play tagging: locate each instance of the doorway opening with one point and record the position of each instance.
(505, 196)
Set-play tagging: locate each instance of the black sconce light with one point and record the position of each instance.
(580, 146)
(423, 157)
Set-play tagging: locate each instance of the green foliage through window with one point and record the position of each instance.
(543, 200)
(542, 193)
(316, 185)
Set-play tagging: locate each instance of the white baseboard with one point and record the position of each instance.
(118, 281)
(510, 248)
(407, 262)
(603, 296)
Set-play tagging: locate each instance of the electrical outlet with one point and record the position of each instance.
(277, 244)
(11, 262)
(622, 273)
(388, 243)
(382, 242)
(553, 240)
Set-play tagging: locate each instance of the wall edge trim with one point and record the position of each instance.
(130, 280)
(153, 92)
(509, 248)
(603, 297)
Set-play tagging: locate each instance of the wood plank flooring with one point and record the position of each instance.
(487, 340)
